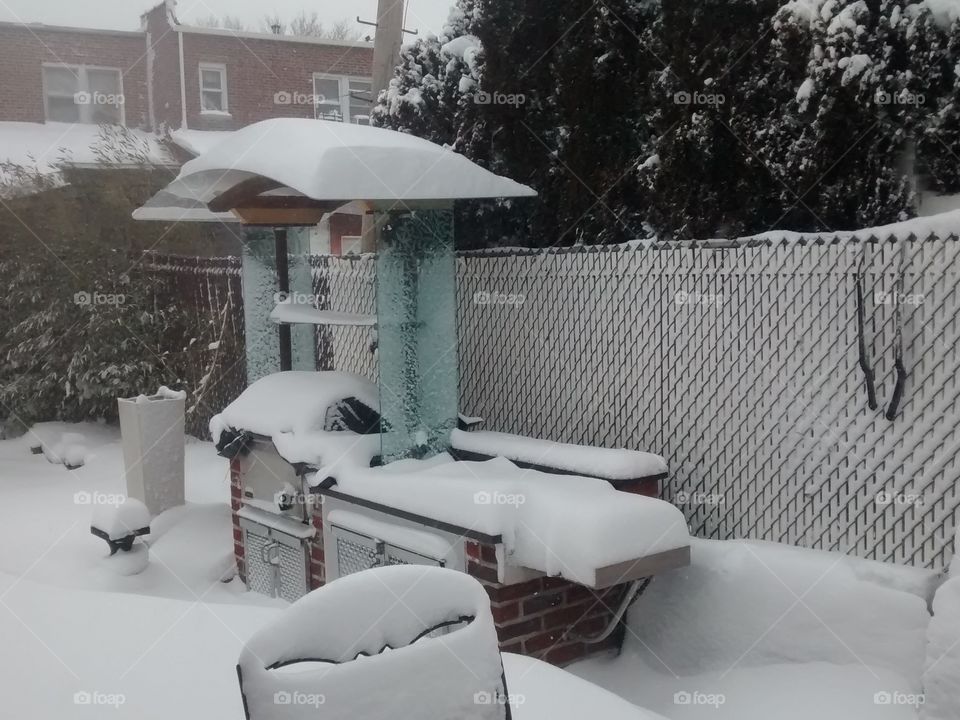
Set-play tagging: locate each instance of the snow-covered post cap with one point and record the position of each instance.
(362, 646)
(288, 170)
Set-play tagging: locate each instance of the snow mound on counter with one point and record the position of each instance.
(746, 604)
(293, 402)
(558, 524)
(614, 464)
(378, 661)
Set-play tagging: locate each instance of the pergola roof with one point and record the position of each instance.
(334, 163)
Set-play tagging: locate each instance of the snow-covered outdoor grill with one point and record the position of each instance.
(560, 554)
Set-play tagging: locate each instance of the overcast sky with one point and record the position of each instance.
(125, 14)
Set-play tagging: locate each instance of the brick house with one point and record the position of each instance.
(167, 78)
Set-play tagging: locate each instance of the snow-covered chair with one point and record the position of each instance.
(402, 641)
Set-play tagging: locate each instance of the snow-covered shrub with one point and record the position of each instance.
(82, 324)
(371, 645)
(688, 119)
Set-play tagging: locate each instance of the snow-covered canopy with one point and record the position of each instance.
(332, 161)
(361, 632)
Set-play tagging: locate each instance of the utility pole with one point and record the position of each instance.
(386, 44)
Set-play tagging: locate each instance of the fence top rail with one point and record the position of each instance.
(850, 238)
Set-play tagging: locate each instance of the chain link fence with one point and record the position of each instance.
(211, 290)
(737, 361)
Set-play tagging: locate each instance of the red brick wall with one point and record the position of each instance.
(236, 496)
(318, 574)
(24, 50)
(543, 617)
(257, 69)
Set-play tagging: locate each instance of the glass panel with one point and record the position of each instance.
(212, 79)
(360, 101)
(326, 91)
(62, 109)
(60, 81)
(104, 81)
(211, 100)
(417, 332)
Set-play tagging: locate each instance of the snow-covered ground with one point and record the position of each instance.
(760, 631)
(750, 631)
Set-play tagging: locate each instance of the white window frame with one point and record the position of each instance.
(218, 68)
(343, 83)
(83, 85)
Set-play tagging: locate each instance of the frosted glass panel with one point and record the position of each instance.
(260, 295)
(417, 333)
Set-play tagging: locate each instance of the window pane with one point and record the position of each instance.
(360, 101)
(212, 79)
(211, 100)
(62, 109)
(109, 114)
(327, 91)
(60, 81)
(104, 81)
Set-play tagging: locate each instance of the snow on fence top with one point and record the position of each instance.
(355, 647)
(339, 161)
(610, 464)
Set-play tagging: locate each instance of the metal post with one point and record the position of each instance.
(283, 286)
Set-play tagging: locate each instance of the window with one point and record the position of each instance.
(79, 94)
(342, 99)
(327, 97)
(361, 101)
(213, 88)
